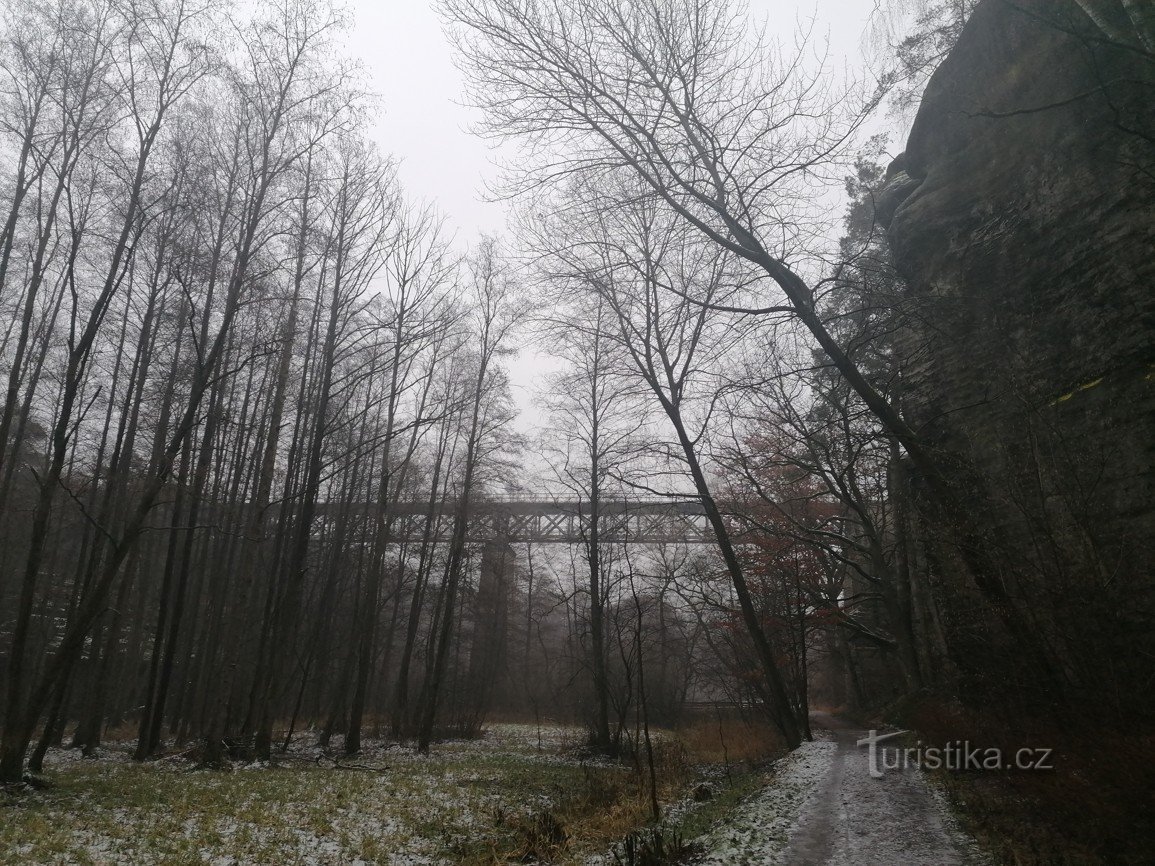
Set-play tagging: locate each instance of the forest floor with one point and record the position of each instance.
(520, 793)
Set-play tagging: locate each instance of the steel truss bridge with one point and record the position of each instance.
(545, 520)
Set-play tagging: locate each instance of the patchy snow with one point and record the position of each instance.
(387, 805)
(392, 805)
(758, 831)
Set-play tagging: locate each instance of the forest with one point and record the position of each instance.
(262, 452)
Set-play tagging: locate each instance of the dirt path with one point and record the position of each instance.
(852, 819)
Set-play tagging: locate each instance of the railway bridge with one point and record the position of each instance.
(497, 524)
(545, 520)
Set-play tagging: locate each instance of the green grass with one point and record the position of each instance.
(476, 802)
(741, 784)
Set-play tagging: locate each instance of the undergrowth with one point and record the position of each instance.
(1092, 809)
(501, 799)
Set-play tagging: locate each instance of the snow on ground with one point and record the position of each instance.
(314, 806)
(760, 829)
(823, 808)
(395, 807)
(819, 806)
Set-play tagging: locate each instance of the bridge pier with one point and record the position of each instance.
(488, 649)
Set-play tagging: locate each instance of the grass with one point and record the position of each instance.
(493, 800)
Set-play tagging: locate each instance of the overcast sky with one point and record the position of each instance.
(410, 66)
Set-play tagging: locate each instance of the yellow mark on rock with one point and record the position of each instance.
(1071, 394)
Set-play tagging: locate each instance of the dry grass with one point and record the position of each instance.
(730, 740)
(611, 803)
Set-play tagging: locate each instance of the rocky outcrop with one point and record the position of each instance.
(1022, 215)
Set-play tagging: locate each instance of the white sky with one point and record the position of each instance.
(410, 65)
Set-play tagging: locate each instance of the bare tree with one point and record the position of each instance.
(158, 69)
(723, 128)
(421, 276)
(203, 206)
(731, 134)
(596, 417)
(496, 309)
(663, 289)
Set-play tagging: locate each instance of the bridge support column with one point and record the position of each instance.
(487, 656)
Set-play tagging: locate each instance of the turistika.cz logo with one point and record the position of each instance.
(956, 755)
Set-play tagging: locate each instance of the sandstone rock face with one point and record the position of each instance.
(1023, 216)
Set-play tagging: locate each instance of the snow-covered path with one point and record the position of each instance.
(824, 809)
(856, 820)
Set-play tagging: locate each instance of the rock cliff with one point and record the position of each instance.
(1022, 215)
